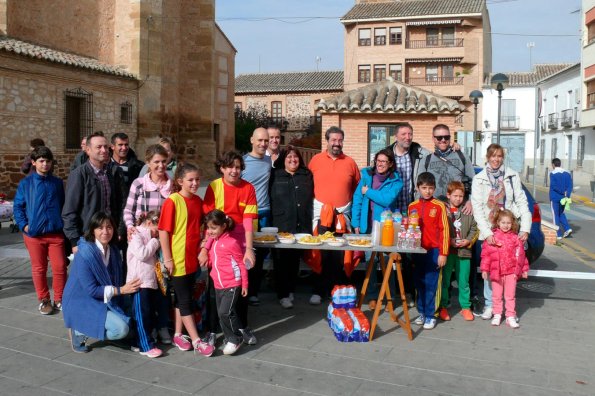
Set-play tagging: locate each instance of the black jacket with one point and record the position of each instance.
(83, 200)
(292, 197)
(415, 153)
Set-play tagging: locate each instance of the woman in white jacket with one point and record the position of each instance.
(496, 187)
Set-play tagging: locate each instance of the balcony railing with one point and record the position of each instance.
(552, 121)
(566, 119)
(431, 80)
(434, 43)
(509, 122)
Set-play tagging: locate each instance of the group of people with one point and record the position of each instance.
(132, 225)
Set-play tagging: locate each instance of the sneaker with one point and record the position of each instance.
(315, 299)
(253, 300)
(164, 336)
(558, 238)
(496, 320)
(467, 314)
(372, 304)
(203, 348)
(487, 313)
(58, 305)
(211, 339)
(134, 348)
(182, 342)
(443, 314)
(567, 233)
(45, 307)
(248, 336)
(512, 322)
(78, 342)
(286, 303)
(290, 297)
(430, 323)
(230, 348)
(153, 353)
(420, 320)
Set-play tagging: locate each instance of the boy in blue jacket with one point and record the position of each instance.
(38, 213)
(560, 187)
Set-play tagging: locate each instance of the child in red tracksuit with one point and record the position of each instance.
(505, 262)
(229, 275)
(433, 222)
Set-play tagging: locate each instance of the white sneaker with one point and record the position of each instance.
(315, 299)
(512, 323)
(230, 349)
(567, 233)
(286, 303)
(290, 297)
(487, 313)
(496, 320)
(164, 336)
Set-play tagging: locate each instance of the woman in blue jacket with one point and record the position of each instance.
(376, 192)
(93, 295)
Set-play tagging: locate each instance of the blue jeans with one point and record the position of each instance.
(115, 327)
(487, 292)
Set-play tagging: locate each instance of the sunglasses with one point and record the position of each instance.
(442, 137)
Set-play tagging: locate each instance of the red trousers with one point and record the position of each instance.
(40, 248)
(506, 287)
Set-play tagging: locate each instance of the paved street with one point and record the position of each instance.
(551, 354)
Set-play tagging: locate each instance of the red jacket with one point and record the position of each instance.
(506, 259)
(433, 222)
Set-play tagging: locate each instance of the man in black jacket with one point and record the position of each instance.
(94, 186)
(125, 158)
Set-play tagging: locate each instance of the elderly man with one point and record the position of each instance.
(258, 173)
(274, 142)
(92, 187)
(335, 179)
(447, 164)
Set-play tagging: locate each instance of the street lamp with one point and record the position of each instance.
(499, 82)
(475, 97)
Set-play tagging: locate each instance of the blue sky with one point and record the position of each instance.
(269, 45)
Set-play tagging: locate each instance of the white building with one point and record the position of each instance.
(562, 135)
(517, 118)
(584, 167)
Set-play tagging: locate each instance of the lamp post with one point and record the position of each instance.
(499, 82)
(475, 97)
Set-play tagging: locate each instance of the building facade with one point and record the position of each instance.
(289, 99)
(179, 62)
(439, 46)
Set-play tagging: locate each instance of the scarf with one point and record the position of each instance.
(497, 193)
(443, 154)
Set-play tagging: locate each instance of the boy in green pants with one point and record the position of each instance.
(464, 233)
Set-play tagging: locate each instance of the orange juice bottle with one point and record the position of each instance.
(388, 233)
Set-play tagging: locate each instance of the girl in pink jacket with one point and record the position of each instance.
(505, 262)
(142, 256)
(229, 275)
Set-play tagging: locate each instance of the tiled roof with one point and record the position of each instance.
(413, 8)
(51, 55)
(389, 96)
(530, 79)
(289, 82)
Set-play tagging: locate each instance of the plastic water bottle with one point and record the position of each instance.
(402, 234)
(396, 227)
(414, 218)
(409, 238)
(417, 237)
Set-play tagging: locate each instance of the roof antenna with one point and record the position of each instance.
(318, 60)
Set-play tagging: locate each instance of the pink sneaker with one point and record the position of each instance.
(153, 353)
(182, 342)
(203, 348)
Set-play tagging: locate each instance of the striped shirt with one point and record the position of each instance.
(405, 170)
(145, 195)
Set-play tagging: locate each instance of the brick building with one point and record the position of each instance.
(289, 99)
(369, 115)
(440, 46)
(163, 64)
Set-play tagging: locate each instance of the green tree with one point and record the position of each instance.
(246, 122)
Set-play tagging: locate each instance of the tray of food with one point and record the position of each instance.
(307, 239)
(262, 237)
(360, 242)
(286, 237)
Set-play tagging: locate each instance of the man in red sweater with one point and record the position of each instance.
(433, 222)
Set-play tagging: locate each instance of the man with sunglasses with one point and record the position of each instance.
(447, 164)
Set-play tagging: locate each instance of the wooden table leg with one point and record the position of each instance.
(386, 269)
(389, 298)
(405, 323)
(364, 288)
